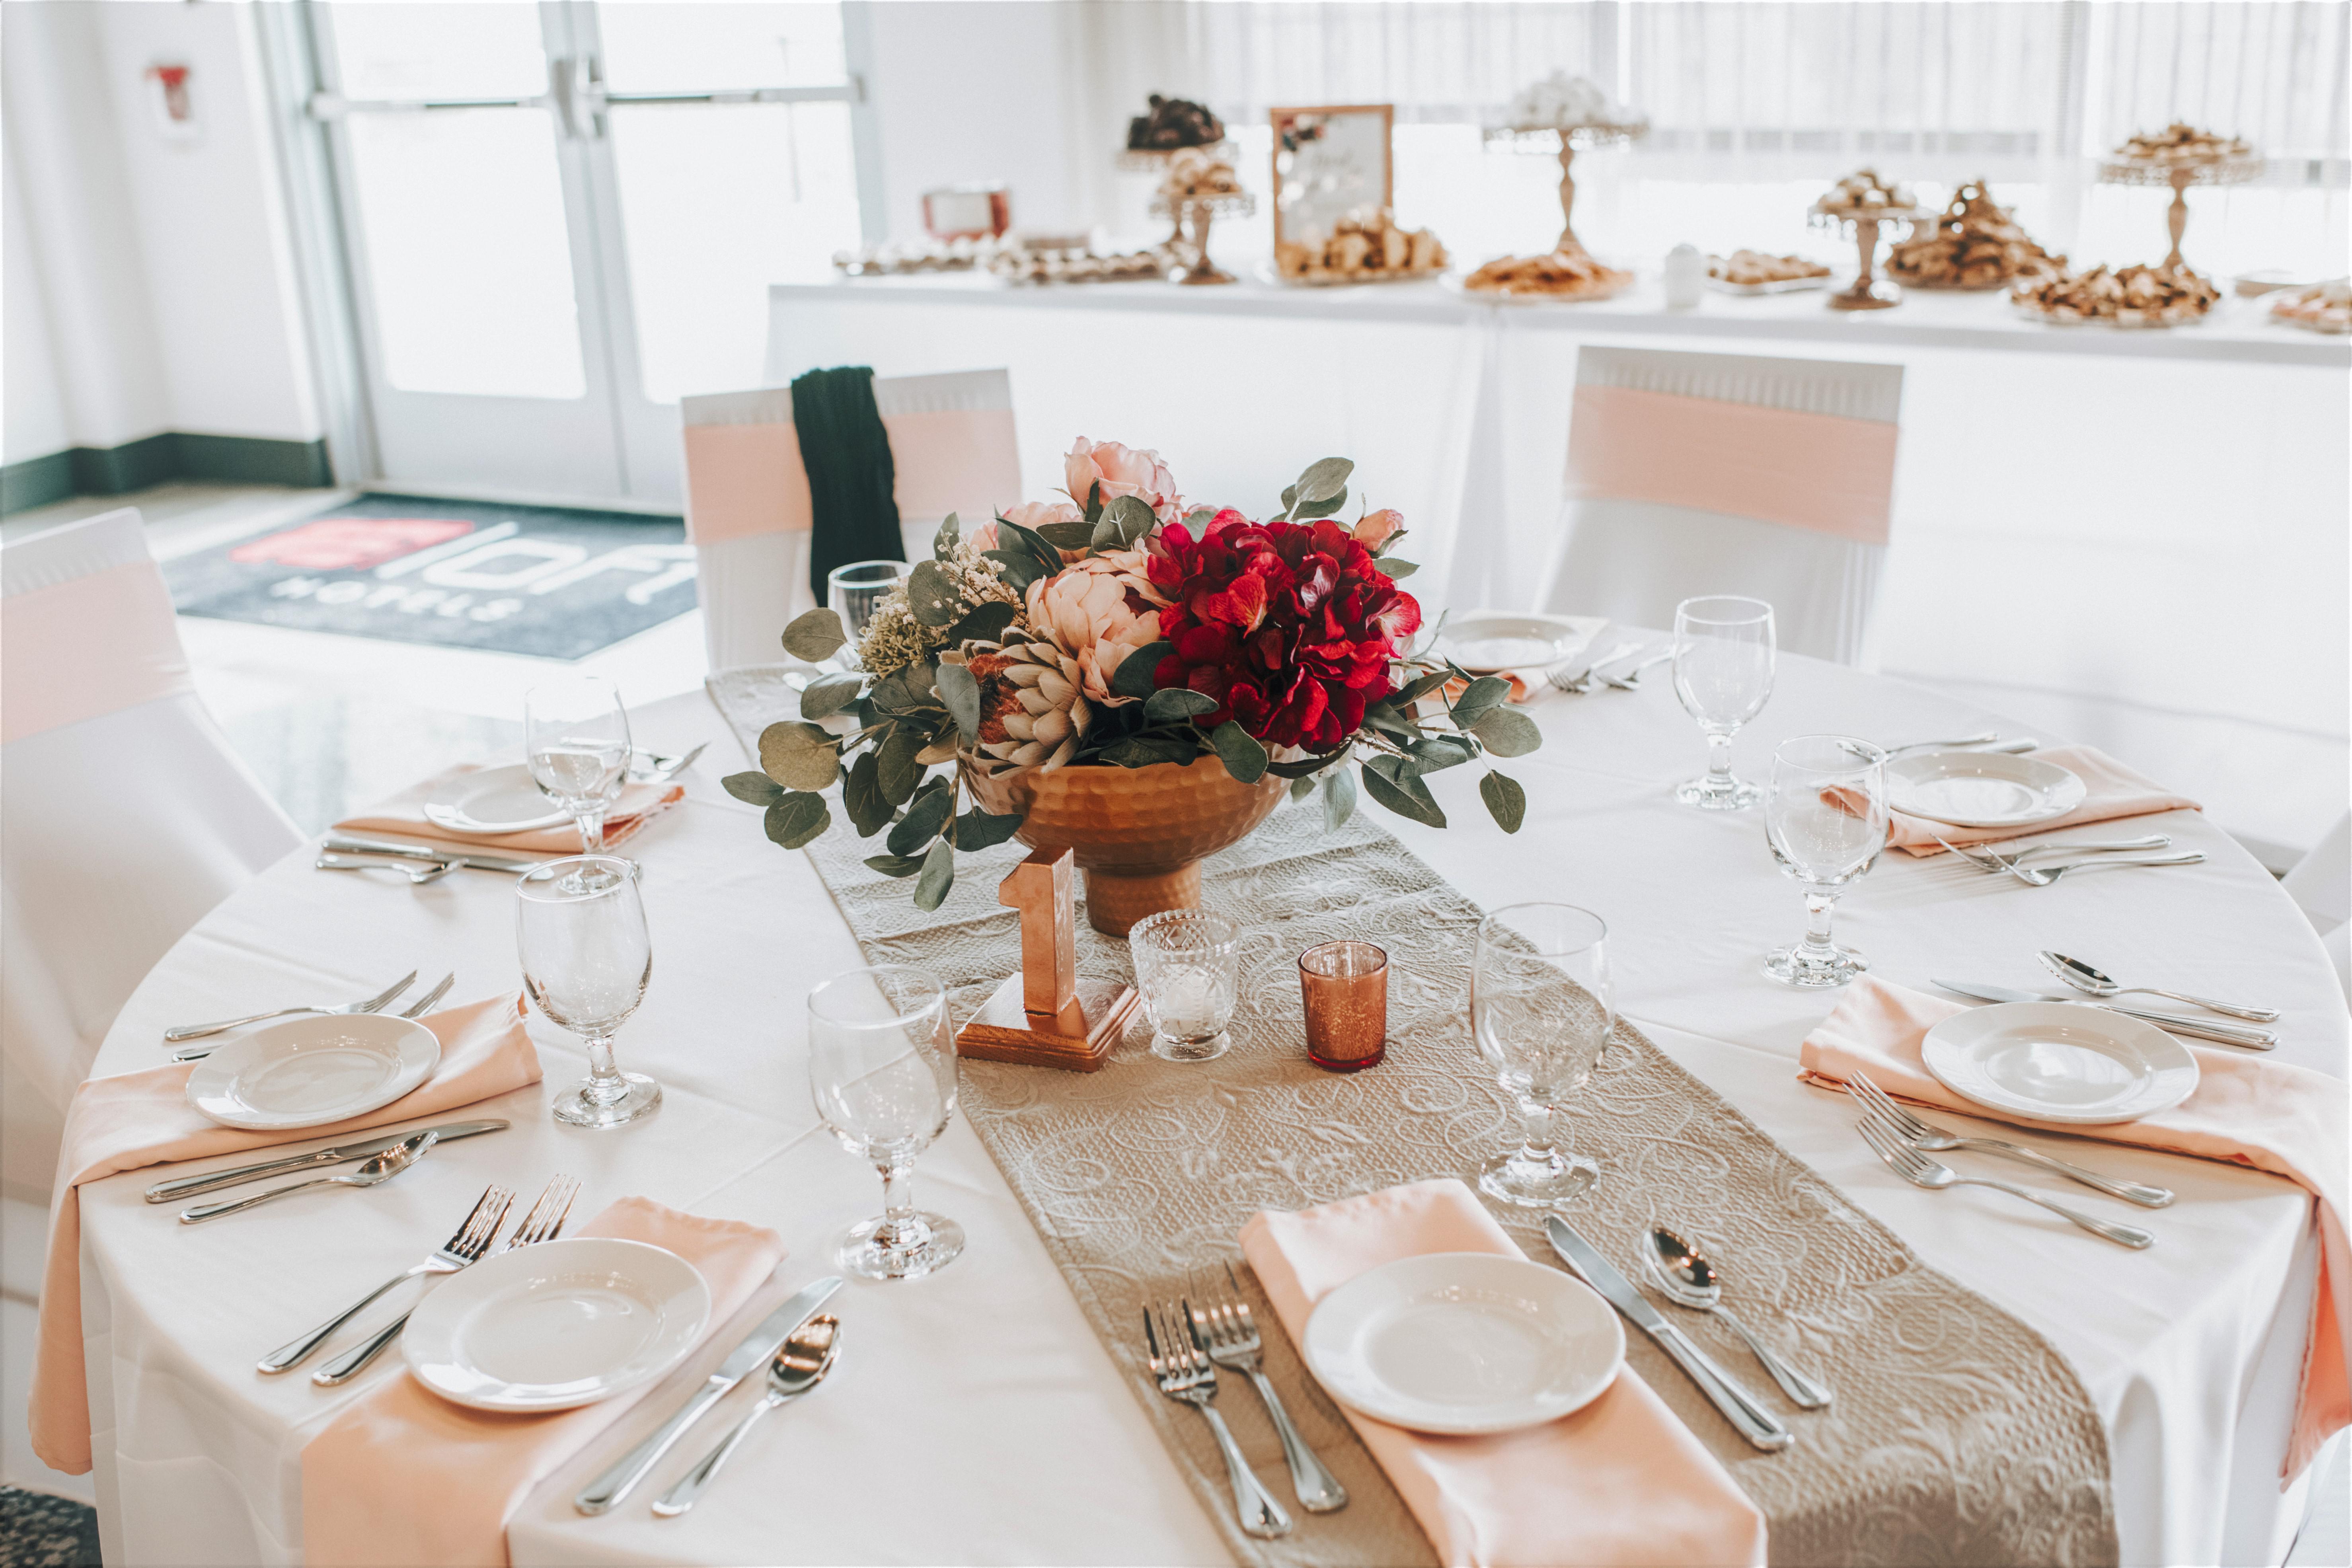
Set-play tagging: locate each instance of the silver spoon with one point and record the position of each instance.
(799, 1367)
(2084, 978)
(1685, 1277)
(382, 1168)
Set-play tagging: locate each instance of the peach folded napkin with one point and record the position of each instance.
(404, 1475)
(1620, 1482)
(402, 818)
(2272, 1116)
(2112, 790)
(136, 1118)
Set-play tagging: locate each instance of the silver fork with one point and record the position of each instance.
(543, 1223)
(1881, 1107)
(468, 1242)
(1987, 858)
(2042, 876)
(1226, 1331)
(415, 1010)
(1632, 679)
(1580, 683)
(419, 875)
(1184, 1375)
(1921, 1171)
(198, 1031)
(659, 769)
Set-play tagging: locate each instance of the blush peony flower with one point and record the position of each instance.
(1123, 471)
(981, 538)
(1373, 529)
(1100, 610)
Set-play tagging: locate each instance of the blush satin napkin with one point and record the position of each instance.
(138, 1119)
(2271, 1116)
(1620, 1482)
(366, 1475)
(2112, 791)
(402, 818)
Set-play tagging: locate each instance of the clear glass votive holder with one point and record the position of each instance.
(1188, 966)
(1346, 988)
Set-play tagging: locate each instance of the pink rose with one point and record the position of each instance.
(1123, 471)
(1373, 530)
(1098, 611)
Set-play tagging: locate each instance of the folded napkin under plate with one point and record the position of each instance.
(1620, 1482)
(2112, 791)
(365, 1474)
(402, 818)
(137, 1119)
(2270, 1115)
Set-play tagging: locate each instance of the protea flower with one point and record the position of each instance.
(1033, 710)
(1099, 611)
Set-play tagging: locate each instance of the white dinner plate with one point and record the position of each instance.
(495, 800)
(2059, 1062)
(1490, 642)
(1464, 1341)
(558, 1324)
(1980, 789)
(307, 1072)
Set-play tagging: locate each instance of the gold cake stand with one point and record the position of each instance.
(2181, 174)
(1155, 160)
(1869, 291)
(1191, 263)
(1567, 141)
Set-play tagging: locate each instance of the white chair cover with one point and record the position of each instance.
(1693, 474)
(2321, 886)
(748, 510)
(127, 816)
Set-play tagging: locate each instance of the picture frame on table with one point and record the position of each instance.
(1331, 159)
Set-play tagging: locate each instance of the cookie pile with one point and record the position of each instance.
(1863, 195)
(1194, 175)
(2179, 144)
(1362, 248)
(2322, 308)
(1973, 245)
(1173, 122)
(2127, 296)
(1074, 264)
(1562, 275)
(1747, 268)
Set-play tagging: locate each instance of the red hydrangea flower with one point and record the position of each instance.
(1290, 626)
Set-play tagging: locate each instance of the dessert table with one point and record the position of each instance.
(974, 1416)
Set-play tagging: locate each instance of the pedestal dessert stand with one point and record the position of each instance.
(2180, 175)
(1197, 211)
(1567, 142)
(1869, 293)
(1154, 161)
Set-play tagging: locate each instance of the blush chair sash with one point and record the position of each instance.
(87, 631)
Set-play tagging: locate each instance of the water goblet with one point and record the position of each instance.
(1188, 966)
(856, 591)
(580, 927)
(576, 742)
(1540, 1011)
(1723, 656)
(1825, 820)
(882, 1070)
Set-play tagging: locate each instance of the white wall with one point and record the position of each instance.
(35, 419)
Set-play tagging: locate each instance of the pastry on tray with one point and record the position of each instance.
(1362, 247)
(1194, 175)
(1173, 122)
(1974, 243)
(1562, 275)
(2179, 144)
(1864, 194)
(1748, 268)
(2127, 296)
(1074, 264)
(2322, 308)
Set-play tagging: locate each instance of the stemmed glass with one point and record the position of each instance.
(1825, 819)
(882, 1070)
(586, 957)
(1542, 1013)
(576, 738)
(856, 591)
(1723, 672)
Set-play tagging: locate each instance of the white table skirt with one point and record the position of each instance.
(973, 1418)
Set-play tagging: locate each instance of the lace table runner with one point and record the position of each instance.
(1958, 1434)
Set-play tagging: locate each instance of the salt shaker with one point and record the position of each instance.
(1685, 277)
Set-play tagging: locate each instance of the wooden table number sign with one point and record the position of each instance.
(1044, 1016)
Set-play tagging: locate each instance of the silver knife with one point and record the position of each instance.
(343, 1154)
(759, 1347)
(479, 860)
(1739, 1406)
(2171, 1023)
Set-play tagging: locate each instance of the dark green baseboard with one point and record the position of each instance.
(154, 460)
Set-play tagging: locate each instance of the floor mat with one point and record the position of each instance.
(37, 1530)
(552, 582)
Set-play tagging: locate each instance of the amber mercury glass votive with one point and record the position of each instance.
(1346, 984)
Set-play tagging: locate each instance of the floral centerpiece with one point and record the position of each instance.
(1074, 665)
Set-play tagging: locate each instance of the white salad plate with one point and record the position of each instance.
(495, 800)
(1492, 642)
(558, 1324)
(2059, 1062)
(1464, 1343)
(307, 1072)
(1980, 789)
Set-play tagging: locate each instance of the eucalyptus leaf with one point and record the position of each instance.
(960, 692)
(797, 818)
(1019, 568)
(924, 819)
(907, 690)
(986, 623)
(829, 694)
(1399, 571)
(1439, 753)
(1198, 518)
(815, 636)
(896, 769)
(1391, 724)
(1324, 508)
(1422, 687)
(932, 594)
(1124, 521)
(752, 789)
(861, 796)
(1507, 732)
(1480, 697)
(943, 750)
(1339, 798)
(1175, 703)
(938, 876)
(1289, 498)
(895, 865)
(1302, 786)
(978, 829)
(944, 543)
(1094, 505)
(1324, 480)
(1048, 558)
(1506, 801)
(799, 756)
(1075, 535)
(1133, 678)
(1243, 757)
(1142, 750)
(1407, 797)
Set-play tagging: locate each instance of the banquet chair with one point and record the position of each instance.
(747, 510)
(2321, 886)
(1695, 473)
(127, 816)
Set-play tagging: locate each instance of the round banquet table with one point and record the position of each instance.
(973, 1417)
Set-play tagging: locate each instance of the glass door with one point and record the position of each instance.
(558, 217)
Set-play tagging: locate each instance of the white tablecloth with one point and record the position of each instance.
(973, 1418)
